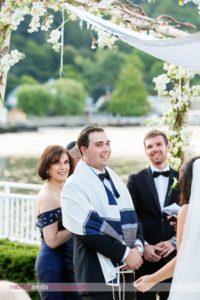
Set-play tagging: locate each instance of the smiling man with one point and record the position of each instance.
(98, 209)
(151, 191)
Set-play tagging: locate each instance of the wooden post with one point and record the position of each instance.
(5, 34)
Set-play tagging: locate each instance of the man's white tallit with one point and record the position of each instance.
(86, 211)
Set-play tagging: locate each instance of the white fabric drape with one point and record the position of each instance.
(186, 280)
(180, 51)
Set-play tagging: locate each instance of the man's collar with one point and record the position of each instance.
(96, 171)
(167, 168)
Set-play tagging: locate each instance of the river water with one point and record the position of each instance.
(19, 152)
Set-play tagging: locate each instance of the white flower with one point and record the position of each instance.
(47, 23)
(17, 17)
(38, 9)
(160, 83)
(195, 90)
(34, 24)
(54, 36)
(105, 39)
(104, 4)
(173, 185)
(175, 150)
(54, 39)
(8, 60)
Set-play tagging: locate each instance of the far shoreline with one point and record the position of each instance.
(126, 142)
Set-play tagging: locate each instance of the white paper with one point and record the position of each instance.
(171, 209)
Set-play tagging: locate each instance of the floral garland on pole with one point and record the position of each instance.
(180, 96)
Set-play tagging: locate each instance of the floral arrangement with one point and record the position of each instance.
(180, 95)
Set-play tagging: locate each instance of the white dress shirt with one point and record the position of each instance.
(161, 183)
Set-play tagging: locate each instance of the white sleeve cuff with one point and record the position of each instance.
(138, 243)
(126, 254)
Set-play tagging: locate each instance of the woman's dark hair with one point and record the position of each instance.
(185, 180)
(50, 156)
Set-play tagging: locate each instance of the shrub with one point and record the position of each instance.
(35, 99)
(17, 263)
(69, 97)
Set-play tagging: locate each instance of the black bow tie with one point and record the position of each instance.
(164, 173)
(102, 176)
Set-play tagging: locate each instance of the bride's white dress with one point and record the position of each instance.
(186, 280)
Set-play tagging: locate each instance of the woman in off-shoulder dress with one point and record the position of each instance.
(54, 265)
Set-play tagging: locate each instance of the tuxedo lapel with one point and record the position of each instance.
(150, 181)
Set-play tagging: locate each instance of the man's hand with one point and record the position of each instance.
(134, 259)
(173, 221)
(152, 253)
(166, 248)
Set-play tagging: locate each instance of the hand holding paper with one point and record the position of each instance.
(171, 209)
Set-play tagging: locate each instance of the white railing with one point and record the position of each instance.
(17, 212)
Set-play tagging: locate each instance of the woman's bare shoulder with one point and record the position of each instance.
(46, 200)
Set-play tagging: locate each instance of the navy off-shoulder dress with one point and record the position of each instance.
(54, 267)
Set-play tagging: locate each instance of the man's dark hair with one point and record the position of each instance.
(153, 133)
(185, 180)
(83, 138)
(71, 145)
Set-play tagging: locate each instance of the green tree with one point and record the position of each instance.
(69, 55)
(26, 79)
(101, 70)
(12, 82)
(72, 72)
(130, 95)
(40, 62)
(186, 13)
(69, 97)
(35, 100)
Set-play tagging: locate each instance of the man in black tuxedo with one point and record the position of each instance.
(151, 190)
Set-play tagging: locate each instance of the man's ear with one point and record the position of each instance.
(83, 149)
(169, 146)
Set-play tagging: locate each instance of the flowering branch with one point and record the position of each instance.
(180, 96)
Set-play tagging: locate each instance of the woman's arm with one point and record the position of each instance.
(144, 283)
(180, 224)
(55, 238)
(48, 201)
